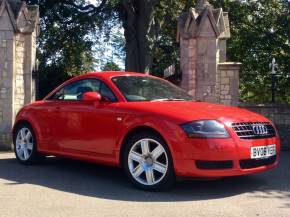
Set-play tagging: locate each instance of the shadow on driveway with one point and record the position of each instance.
(110, 183)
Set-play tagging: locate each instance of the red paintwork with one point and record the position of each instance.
(86, 131)
(92, 96)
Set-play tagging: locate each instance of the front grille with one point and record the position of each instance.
(253, 163)
(214, 165)
(245, 130)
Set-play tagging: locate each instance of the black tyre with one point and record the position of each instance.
(25, 145)
(147, 162)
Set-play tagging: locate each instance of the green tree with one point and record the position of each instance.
(110, 48)
(260, 31)
(111, 66)
(165, 51)
(69, 29)
(65, 42)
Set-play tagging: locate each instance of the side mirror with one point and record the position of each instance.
(92, 97)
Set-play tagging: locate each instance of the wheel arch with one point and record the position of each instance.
(25, 121)
(19, 122)
(136, 130)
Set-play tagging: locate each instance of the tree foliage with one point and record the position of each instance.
(111, 66)
(110, 49)
(70, 30)
(166, 50)
(65, 44)
(260, 31)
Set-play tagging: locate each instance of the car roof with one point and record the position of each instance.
(110, 74)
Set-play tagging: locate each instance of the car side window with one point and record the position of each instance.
(58, 95)
(107, 93)
(75, 90)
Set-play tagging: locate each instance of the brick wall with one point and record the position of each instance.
(280, 115)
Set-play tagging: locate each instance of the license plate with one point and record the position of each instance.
(263, 151)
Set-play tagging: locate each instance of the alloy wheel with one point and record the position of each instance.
(24, 144)
(148, 162)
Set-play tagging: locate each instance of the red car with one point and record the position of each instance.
(146, 125)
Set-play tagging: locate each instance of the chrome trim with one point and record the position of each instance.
(254, 130)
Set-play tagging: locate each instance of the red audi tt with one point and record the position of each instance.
(152, 129)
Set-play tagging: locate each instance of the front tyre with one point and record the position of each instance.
(148, 163)
(25, 145)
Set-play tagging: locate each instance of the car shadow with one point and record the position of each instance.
(110, 183)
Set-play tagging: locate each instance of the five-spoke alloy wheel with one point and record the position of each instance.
(148, 162)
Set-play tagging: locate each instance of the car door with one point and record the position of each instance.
(83, 126)
(45, 123)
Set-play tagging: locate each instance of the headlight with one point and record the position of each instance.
(205, 129)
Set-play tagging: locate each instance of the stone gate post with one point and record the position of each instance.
(202, 34)
(19, 27)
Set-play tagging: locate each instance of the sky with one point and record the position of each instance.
(93, 1)
(107, 51)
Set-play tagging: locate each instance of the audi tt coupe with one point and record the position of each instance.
(152, 129)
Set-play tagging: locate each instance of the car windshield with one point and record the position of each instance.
(140, 88)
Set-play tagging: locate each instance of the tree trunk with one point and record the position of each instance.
(139, 25)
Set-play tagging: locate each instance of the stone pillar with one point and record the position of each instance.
(228, 83)
(18, 30)
(206, 61)
(188, 62)
(202, 34)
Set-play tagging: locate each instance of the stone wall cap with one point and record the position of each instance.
(230, 65)
(266, 105)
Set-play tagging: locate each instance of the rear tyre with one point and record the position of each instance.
(25, 145)
(148, 163)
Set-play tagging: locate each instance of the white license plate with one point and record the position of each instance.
(263, 151)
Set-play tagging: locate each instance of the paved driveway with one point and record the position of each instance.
(61, 187)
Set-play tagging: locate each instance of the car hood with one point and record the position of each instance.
(189, 111)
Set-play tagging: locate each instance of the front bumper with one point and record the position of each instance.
(187, 168)
(223, 157)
